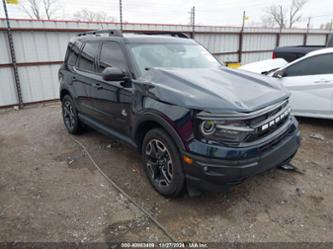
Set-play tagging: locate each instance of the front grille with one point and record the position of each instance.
(278, 139)
(269, 122)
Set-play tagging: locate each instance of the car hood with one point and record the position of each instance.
(265, 66)
(215, 90)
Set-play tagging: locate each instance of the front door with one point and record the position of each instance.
(112, 99)
(310, 82)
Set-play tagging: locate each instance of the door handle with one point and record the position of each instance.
(98, 86)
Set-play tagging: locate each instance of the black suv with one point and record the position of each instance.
(194, 121)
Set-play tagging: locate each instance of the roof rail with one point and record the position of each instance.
(110, 32)
(170, 33)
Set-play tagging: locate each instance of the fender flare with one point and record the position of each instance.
(153, 117)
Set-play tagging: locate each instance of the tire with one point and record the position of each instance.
(162, 163)
(70, 116)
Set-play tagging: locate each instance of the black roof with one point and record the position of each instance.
(138, 38)
(172, 37)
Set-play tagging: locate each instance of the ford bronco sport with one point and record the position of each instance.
(195, 122)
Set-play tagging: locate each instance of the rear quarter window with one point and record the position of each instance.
(73, 51)
(86, 61)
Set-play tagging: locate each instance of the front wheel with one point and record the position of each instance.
(162, 163)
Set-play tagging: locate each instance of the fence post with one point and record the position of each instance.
(192, 17)
(305, 38)
(278, 37)
(277, 40)
(240, 45)
(305, 41)
(327, 38)
(13, 57)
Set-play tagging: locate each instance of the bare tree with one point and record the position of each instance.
(51, 7)
(32, 9)
(267, 22)
(40, 9)
(276, 14)
(92, 16)
(327, 26)
(295, 8)
(283, 16)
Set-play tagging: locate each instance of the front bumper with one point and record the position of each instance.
(214, 174)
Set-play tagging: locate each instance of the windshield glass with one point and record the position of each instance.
(171, 56)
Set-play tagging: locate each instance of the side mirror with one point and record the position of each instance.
(279, 74)
(113, 74)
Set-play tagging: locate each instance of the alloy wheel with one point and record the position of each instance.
(69, 115)
(159, 163)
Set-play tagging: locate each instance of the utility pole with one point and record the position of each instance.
(13, 57)
(308, 25)
(331, 27)
(243, 22)
(121, 14)
(193, 21)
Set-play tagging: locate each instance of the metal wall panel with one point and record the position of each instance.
(316, 40)
(291, 39)
(39, 83)
(4, 49)
(259, 42)
(7, 87)
(40, 46)
(252, 57)
(217, 43)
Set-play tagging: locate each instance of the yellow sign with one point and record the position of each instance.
(12, 1)
(233, 64)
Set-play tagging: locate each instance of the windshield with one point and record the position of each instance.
(171, 56)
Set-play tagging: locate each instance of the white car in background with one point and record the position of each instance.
(309, 79)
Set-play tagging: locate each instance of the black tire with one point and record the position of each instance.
(162, 164)
(70, 117)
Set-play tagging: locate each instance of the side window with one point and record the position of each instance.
(87, 57)
(73, 51)
(320, 64)
(111, 56)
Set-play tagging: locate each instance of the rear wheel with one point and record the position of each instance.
(162, 163)
(70, 117)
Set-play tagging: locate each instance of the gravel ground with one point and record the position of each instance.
(50, 191)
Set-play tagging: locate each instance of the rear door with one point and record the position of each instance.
(310, 82)
(84, 77)
(112, 99)
(72, 54)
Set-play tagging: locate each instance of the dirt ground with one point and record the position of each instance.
(50, 191)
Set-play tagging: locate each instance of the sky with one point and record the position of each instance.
(208, 12)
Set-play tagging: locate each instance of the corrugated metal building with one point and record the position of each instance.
(40, 48)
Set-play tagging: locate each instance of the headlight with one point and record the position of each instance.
(208, 127)
(234, 131)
